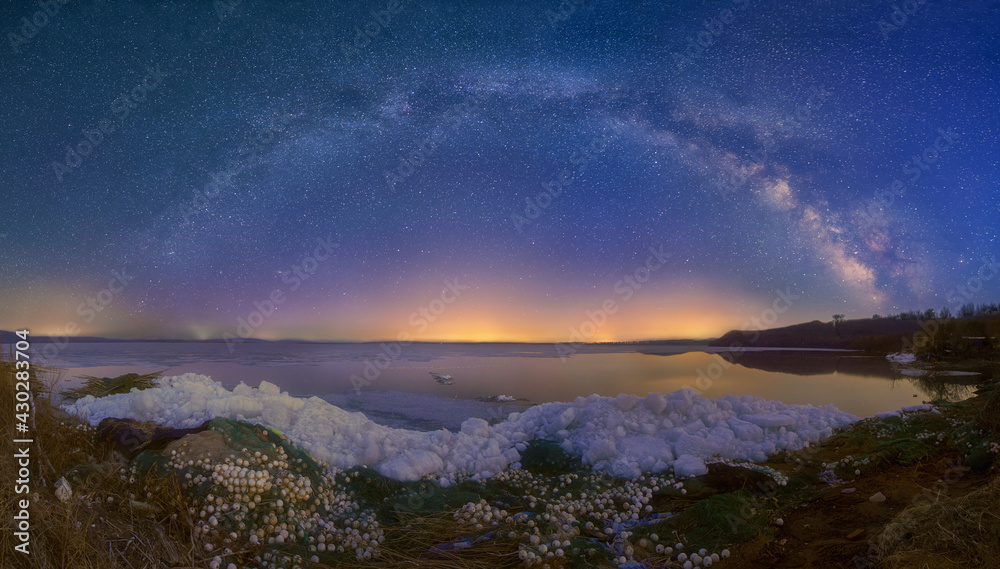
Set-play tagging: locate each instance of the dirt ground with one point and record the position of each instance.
(838, 529)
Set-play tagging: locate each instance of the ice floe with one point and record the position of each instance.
(901, 358)
(625, 435)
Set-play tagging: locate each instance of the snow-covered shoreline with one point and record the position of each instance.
(625, 435)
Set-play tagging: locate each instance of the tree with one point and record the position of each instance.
(837, 319)
(929, 314)
(945, 313)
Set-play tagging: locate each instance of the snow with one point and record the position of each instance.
(906, 409)
(901, 358)
(624, 436)
(419, 411)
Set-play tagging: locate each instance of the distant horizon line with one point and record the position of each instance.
(84, 339)
(9, 337)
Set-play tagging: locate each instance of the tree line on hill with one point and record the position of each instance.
(973, 333)
(968, 310)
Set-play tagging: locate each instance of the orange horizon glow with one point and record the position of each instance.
(489, 316)
(491, 313)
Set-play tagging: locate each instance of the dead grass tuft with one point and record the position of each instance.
(410, 543)
(101, 525)
(960, 532)
(102, 386)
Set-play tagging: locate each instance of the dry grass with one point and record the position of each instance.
(102, 386)
(100, 526)
(989, 415)
(951, 533)
(409, 545)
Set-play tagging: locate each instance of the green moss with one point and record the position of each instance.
(720, 520)
(548, 458)
(979, 459)
(903, 451)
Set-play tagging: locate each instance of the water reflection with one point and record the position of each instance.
(862, 385)
(943, 388)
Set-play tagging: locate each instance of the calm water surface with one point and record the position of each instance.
(860, 385)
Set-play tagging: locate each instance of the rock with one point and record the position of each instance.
(63, 491)
(856, 534)
(848, 491)
(877, 497)
(132, 437)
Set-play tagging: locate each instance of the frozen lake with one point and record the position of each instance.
(861, 385)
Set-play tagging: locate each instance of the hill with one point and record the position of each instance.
(849, 334)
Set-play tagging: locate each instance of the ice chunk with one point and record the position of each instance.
(476, 427)
(647, 447)
(745, 431)
(687, 465)
(411, 466)
(601, 449)
(655, 402)
(906, 409)
(269, 388)
(771, 419)
(626, 402)
(693, 446)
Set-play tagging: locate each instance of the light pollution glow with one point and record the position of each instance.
(691, 310)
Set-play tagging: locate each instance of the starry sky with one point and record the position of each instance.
(486, 171)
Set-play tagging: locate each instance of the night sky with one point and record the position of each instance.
(493, 170)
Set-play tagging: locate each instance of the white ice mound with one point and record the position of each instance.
(901, 410)
(901, 358)
(628, 435)
(624, 436)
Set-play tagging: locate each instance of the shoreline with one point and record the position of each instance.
(794, 487)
